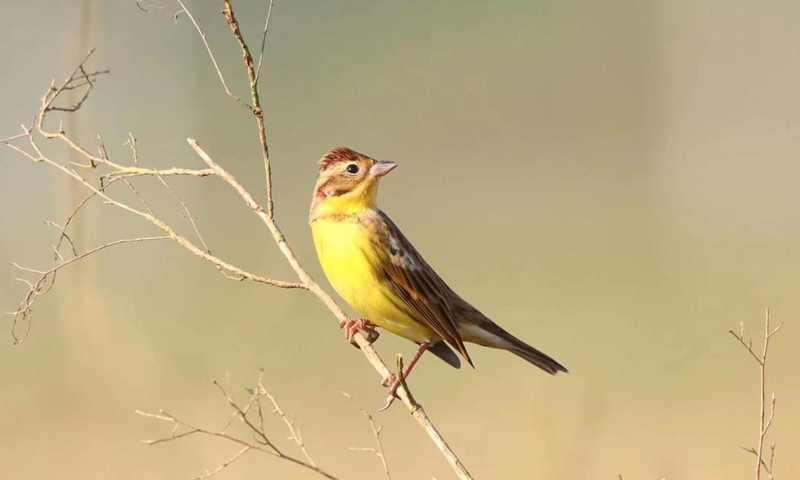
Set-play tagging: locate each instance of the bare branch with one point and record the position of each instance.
(18, 136)
(764, 421)
(131, 142)
(227, 10)
(241, 414)
(19, 150)
(63, 228)
(748, 345)
(181, 429)
(129, 172)
(174, 235)
(84, 79)
(263, 40)
(293, 431)
(224, 464)
(376, 432)
(208, 49)
(187, 214)
(46, 281)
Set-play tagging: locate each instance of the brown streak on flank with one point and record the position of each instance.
(366, 222)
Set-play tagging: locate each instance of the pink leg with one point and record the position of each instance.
(393, 383)
(353, 325)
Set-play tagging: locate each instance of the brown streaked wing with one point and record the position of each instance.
(411, 278)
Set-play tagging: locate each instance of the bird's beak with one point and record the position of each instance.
(381, 168)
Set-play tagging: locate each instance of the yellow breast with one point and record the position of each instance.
(346, 251)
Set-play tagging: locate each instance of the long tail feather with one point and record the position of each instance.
(474, 327)
(541, 360)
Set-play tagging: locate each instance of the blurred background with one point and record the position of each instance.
(614, 182)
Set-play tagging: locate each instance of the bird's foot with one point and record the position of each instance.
(353, 325)
(392, 383)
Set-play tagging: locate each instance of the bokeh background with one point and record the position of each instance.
(615, 182)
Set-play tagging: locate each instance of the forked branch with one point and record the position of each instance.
(376, 432)
(764, 419)
(268, 218)
(109, 173)
(250, 415)
(47, 279)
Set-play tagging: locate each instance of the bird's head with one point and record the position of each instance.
(347, 182)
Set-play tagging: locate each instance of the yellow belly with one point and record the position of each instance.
(346, 255)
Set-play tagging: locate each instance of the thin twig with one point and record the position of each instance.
(186, 213)
(294, 432)
(131, 142)
(208, 50)
(173, 234)
(46, 281)
(181, 429)
(241, 414)
(263, 40)
(376, 432)
(227, 10)
(63, 228)
(764, 421)
(224, 464)
(129, 172)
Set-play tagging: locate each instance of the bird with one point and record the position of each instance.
(375, 268)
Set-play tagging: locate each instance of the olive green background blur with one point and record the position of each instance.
(615, 182)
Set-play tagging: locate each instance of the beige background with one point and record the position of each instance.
(615, 182)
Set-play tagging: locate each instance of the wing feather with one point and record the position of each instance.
(420, 288)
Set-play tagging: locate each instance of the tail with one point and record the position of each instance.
(476, 328)
(541, 360)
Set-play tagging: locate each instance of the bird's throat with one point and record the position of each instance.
(356, 201)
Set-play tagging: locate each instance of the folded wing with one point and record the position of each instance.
(424, 294)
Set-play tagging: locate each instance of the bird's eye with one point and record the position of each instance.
(352, 169)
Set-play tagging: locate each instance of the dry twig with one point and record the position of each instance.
(294, 432)
(764, 421)
(264, 40)
(110, 172)
(47, 279)
(376, 432)
(244, 415)
(115, 172)
(208, 50)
